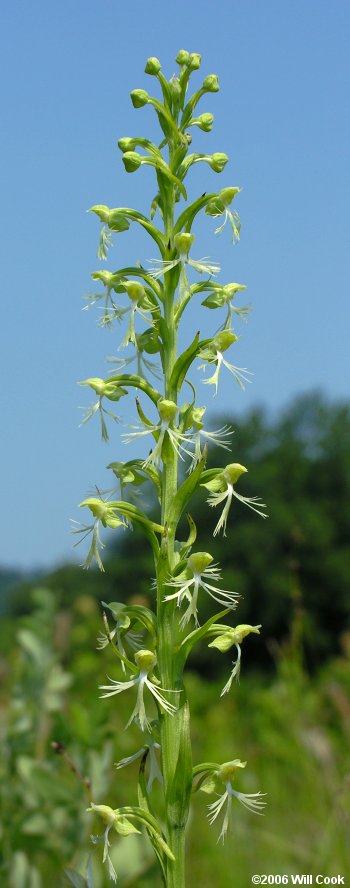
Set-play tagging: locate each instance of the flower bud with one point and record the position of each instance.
(198, 561)
(183, 242)
(233, 471)
(145, 660)
(211, 83)
(132, 161)
(167, 409)
(139, 97)
(205, 122)
(218, 161)
(135, 290)
(183, 57)
(194, 61)
(126, 144)
(153, 66)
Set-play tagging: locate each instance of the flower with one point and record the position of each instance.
(183, 243)
(221, 488)
(213, 354)
(218, 437)
(198, 564)
(219, 207)
(232, 636)
(115, 819)
(105, 514)
(162, 432)
(140, 304)
(149, 747)
(146, 661)
(122, 633)
(225, 774)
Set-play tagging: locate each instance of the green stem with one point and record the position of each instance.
(174, 729)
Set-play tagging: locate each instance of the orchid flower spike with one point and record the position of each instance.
(213, 354)
(145, 661)
(162, 431)
(199, 570)
(232, 636)
(226, 774)
(183, 243)
(222, 488)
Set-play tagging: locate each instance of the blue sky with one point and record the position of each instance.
(281, 115)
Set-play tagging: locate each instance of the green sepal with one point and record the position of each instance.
(197, 635)
(126, 473)
(185, 491)
(209, 479)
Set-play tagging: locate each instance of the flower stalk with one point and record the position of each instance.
(152, 646)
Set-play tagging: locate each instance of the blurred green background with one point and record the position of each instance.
(289, 717)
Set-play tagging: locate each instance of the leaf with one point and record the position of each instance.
(184, 362)
(185, 492)
(197, 635)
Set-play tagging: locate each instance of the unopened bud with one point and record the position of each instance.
(204, 122)
(183, 57)
(132, 161)
(194, 61)
(139, 97)
(211, 83)
(126, 144)
(153, 66)
(218, 161)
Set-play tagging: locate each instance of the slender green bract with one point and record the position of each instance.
(152, 646)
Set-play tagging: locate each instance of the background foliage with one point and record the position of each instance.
(289, 717)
